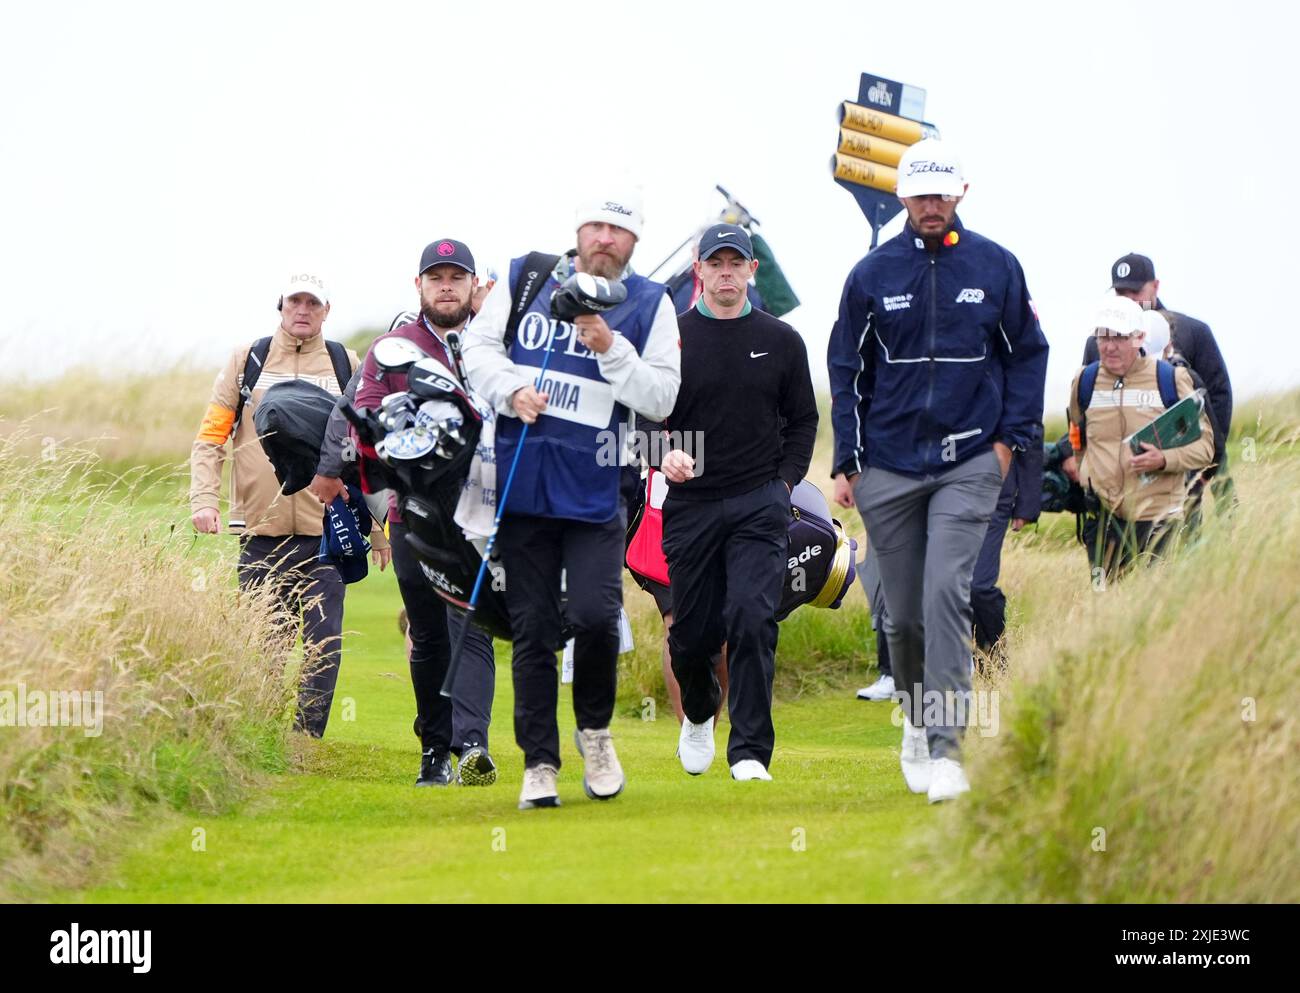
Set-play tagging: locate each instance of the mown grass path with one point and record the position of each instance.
(350, 826)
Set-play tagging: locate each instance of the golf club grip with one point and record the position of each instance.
(359, 419)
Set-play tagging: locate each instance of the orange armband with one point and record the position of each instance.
(217, 422)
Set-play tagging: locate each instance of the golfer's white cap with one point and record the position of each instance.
(930, 168)
(1118, 316)
(305, 282)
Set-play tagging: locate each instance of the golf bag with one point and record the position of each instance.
(420, 445)
(821, 563)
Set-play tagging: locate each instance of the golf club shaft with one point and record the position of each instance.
(671, 256)
(453, 665)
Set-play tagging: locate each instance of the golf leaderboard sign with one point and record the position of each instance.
(874, 133)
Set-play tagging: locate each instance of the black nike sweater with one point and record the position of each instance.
(746, 409)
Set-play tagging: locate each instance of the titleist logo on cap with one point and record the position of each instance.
(918, 167)
(617, 208)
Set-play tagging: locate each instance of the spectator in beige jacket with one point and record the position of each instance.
(1142, 496)
(279, 536)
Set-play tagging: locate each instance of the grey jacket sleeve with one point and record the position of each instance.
(337, 446)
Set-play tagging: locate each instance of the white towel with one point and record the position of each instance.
(477, 507)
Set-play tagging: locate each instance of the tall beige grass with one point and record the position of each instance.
(1149, 747)
(101, 593)
(133, 418)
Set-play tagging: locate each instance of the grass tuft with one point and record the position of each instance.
(105, 592)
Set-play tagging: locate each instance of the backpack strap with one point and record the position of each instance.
(342, 364)
(1168, 385)
(1087, 383)
(532, 277)
(252, 370)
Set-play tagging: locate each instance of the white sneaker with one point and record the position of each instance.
(947, 780)
(881, 689)
(539, 788)
(915, 757)
(695, 746)
(748, 770)
(602, 776)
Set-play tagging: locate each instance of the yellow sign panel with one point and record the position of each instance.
(865, 146)
(864, 173)
(858, 118)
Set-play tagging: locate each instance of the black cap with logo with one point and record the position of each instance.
(1132, 272)
(726, 236)
(446, 251)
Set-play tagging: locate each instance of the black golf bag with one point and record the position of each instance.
(420, 445)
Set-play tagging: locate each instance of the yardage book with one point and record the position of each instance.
(1179, 425)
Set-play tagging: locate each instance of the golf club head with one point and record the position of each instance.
(397, 411)
(583, 293)
(404, 317)
(396, 354)
(428, 380)
(406, 445)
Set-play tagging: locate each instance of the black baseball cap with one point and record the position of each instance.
(726, 236)
(446, 251)
(1132, 272)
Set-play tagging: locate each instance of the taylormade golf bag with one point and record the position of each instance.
(820, 567)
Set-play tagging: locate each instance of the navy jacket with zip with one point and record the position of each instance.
(934, 356)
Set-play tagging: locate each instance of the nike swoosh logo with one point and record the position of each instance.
(724, 234)
(757, 355)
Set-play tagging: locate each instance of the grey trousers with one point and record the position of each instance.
(869, 577)
(927, 534)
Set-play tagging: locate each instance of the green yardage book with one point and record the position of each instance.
(1179, 425)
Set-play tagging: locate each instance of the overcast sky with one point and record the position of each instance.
(165, 166)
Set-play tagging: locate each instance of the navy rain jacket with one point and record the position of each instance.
(934, 356)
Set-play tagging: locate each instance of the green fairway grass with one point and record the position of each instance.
(350, 826)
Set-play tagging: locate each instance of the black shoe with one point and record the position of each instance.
(476, 767)
(435, 769)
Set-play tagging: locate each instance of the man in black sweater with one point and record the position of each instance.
(742, 436)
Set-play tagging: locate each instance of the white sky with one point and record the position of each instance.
(163, 167)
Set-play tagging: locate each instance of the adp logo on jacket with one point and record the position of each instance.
(970, 296)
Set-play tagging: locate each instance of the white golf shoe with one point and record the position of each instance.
(750, 770)
(915, 758)
(947, 780)
(539, 788)
(602, 775)
(695, 746)
(881, 689)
